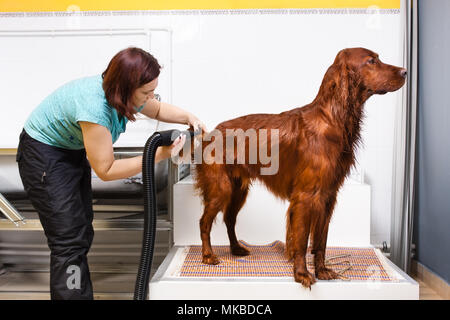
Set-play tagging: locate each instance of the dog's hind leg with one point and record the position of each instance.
(238, 197)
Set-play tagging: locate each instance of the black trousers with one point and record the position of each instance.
(58, 184)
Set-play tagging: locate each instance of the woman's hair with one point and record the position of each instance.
(128, 70)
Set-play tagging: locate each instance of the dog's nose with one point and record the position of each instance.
(403, 72)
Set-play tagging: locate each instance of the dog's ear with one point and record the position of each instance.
(340, 81)
(347, 83)
(343, 82)
(336, 82)
(340, 85)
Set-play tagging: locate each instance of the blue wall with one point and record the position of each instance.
(432, 216)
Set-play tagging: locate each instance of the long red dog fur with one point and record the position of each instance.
(317, 145)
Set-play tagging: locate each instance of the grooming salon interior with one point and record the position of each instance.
(112, 188)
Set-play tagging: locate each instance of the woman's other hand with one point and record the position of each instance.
(174, 149)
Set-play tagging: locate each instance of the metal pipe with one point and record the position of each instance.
(386, 248)
(79, 32)
(10, 212)
(404, 162)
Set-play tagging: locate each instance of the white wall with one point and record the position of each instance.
(225, 65)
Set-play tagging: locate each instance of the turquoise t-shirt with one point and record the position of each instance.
(55, 120)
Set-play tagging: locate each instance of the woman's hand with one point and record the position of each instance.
(174, 149)
(194, 122)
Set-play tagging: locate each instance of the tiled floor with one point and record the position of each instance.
(426, 293)
(432, 283)
(34, 286)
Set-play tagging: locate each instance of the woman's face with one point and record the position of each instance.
(143, 93)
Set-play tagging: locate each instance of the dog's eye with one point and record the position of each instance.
(371, 61)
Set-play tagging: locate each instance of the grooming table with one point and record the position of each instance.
(266, 273)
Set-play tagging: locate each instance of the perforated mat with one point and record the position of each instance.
(269, 260)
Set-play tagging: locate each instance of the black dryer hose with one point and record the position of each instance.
(162, 138)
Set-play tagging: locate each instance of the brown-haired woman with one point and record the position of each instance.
(84, 118)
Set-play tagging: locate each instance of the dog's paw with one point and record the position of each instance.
(326, 274)
(239, 251)
(305, 278)
(210, 259)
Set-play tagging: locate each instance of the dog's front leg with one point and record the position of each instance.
(319, 232)
(206, 221)
(299, 220)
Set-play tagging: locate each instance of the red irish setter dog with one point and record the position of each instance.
(317, 145)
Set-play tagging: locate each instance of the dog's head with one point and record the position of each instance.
(361, 69)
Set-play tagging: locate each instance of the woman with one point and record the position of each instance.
(83, 118)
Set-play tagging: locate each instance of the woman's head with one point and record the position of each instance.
(130, 79)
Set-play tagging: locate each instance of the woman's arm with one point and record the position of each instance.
(99, 150)
(169, 113)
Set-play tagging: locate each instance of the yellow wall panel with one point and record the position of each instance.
(117, 5)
